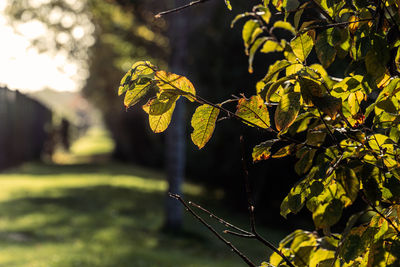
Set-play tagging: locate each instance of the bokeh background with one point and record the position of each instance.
(83, 180)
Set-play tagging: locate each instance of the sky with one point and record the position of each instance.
(23, 68)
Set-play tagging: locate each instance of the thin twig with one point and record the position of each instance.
(177, 9)
(229, 244)
(334, 25)
(238, 234)
(222, 221)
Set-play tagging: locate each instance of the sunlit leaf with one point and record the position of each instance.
(284, 25)
(175, 84)
(253, 111)
(203, 123)
(248, 31)
(303, 44)
(253, 50)
(134, 95)
(159, 123)
(288, 108)
(271, 46)
(262, 151)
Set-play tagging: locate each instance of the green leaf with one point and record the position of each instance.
(325, 52)
(328, 214)
(348, 179)
(303, 44)
(134, 95)
(253, 111)
(203, 123)
(275, 69)
(305, 162)
(288, 108)
(262, 150)
(272, 87)
(310, 89)
(159, 123)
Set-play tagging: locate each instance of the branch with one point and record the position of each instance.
(222, 221)
(229, 244)
(177, 9)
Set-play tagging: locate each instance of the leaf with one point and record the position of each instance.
(328, 104)
(288, 108)
(284, 25)
(272, 87)
(284, 151)
(309, 89)
(228, 4)
(325, 52)
(303, 44)
(328, 214)
(159, 123)
(203, 123)
(253, 50)
(253, 111)
(262, 150)
(138, 71)
(271, 46)
(157, 106)
(348, 179)
(305, 162)
(134, 95)
(248, 30)
(175, 84)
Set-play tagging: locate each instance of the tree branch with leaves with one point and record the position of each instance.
(343, 130)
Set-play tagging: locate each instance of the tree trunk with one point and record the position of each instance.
(175, 136)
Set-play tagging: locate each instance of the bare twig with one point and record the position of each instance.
(177, 9)
(229, 244)
(222, 221)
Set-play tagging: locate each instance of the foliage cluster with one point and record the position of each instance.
(344, 130)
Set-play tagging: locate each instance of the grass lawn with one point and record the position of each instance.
(104, 214)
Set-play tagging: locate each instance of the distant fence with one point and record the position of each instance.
(23, 123)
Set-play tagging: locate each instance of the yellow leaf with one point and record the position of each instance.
(175, 84)
(159, 123)
(303, 44)
(203, 123)
(253, 111)
(288, 108)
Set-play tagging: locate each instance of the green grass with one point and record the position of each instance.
(104, 214)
